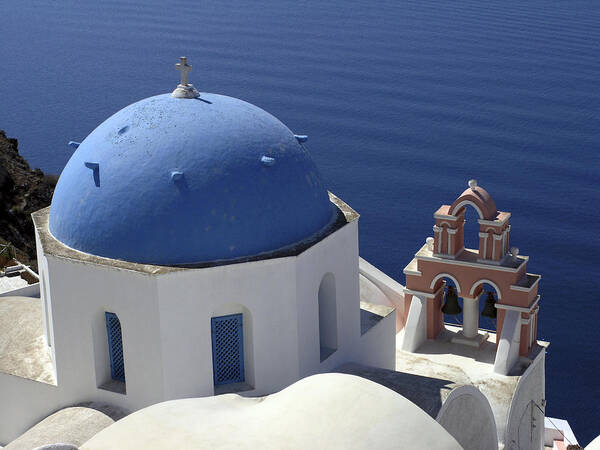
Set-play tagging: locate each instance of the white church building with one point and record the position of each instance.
(191, 249)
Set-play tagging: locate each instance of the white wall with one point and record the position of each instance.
(279, 301)
(415, 331)
(336, 254)
(23, 403)
(467, 415)
(378, 344)
(390, 288)
(524, 413)
(507, 353)
(166, 327)
(81, 294)
(44, 293)
(31, 290)
(262, 290)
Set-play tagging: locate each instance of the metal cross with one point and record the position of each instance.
(184, 68)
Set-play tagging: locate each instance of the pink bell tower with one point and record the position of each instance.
(495, 263)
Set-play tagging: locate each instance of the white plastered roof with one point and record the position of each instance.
(332, 411)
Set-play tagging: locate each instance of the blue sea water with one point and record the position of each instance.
(403, 102)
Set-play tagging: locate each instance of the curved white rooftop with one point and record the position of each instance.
(322, 411)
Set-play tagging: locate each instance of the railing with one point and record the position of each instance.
(9, 255)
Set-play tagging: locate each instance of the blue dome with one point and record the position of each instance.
(183, 181)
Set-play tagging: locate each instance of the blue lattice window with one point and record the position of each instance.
(228, 349)
(115, 347)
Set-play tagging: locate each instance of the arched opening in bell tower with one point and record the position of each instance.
(471, 228)
(488, 294)
(468, 234)
(448, 300)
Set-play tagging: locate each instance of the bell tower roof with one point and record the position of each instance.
(477, 197)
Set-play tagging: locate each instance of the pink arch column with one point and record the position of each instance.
(435, 317)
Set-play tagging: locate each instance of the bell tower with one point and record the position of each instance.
(494, 227)
(444, 270)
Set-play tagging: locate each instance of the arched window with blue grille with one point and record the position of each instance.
(115, 347)
(228, 349)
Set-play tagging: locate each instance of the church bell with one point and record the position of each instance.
(451, 306)
(489, 310)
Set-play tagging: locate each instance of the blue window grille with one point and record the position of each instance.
(227, 349)
(115, 347)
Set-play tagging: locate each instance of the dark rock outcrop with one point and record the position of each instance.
(22, 191)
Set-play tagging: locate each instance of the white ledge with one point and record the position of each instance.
(520, 308)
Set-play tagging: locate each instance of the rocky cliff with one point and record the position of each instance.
(22, 191)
